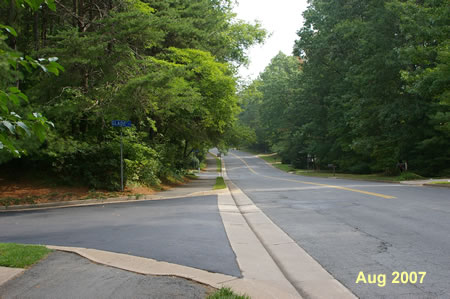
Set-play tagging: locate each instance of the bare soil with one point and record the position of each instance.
(34, 192)
(17, 190)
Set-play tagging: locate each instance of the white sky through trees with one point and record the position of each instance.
(282, 18)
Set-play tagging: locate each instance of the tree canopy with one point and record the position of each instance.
(368, 87)
(168, 66)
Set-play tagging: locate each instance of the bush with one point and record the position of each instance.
(97, 165)
(392, 171)
(405, 176)
(360, 168)
(142, 166)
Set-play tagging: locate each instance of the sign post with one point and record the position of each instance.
(334, 168)
(121, 124)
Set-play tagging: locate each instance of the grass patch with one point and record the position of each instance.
(275, 161)
(10, 201)
(369, 177)
(226, 293)
(440, 183)
(21, 256)
(270, 158)
(219, 165)
(220, 183)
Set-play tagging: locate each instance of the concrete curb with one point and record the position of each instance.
(256, 265)
(7, 273)
(300, 270)
(147, 266)
(91, 202)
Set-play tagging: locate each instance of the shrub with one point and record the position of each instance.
(404, 176)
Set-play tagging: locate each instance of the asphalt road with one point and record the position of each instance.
(353, 226)
(185, 231)
(66, 275)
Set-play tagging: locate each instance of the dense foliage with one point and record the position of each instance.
(167, 65)
(369, 87)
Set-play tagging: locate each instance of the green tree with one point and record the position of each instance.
(168, 66)
(13, 64)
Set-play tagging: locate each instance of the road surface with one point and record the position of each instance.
(186, 231)
(355, 228)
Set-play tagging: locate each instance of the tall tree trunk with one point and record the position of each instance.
(44, 26)
(80, 15)
(86, 79)
(36, 29)
(11, 18)
(74, 19)
(185, 148)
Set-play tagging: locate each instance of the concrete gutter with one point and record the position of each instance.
(257, 267)
(265, 253)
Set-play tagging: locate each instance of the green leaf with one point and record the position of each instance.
(26, 65)
(23, 96)
(4, 101)
(9, 29)
(51, 4)
(15, 115)
(8, 125)
(39, 130)
(14, 89)
(13, 98)
(24, 127)
(34, 4)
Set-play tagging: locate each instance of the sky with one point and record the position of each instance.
(281, 18)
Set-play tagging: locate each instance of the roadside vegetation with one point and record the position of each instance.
(275, 160)
(167, 66)
(219, 165)
(367, 90)
(226, 293)
(220, 183)
(21, 256)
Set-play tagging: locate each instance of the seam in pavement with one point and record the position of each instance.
(305, 274)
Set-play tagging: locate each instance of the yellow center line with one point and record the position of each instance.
(316, 184)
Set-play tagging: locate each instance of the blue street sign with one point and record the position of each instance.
(121, 123)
